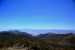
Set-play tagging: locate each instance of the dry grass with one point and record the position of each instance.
(14, 48)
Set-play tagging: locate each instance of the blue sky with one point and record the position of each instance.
(37, 14)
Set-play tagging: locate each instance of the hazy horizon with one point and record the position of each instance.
(42, 31)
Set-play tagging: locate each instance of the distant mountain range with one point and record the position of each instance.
(42, 31)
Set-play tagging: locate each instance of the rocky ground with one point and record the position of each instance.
(14, 48)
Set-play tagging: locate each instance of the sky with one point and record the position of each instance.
(37, 14)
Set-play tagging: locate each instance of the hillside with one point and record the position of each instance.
(59, 39)
(48, 41)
